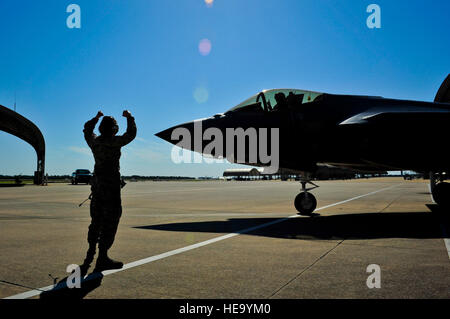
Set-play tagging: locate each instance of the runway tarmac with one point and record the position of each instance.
(218, 239)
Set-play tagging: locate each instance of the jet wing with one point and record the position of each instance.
(400, 138)
(402, 116)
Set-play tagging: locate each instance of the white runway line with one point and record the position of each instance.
(144, 261)
(444, 232)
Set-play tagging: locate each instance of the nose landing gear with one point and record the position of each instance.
(305, 202)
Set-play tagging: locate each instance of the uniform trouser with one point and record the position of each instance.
(106, 210)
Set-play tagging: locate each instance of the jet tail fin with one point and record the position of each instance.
(443, 95)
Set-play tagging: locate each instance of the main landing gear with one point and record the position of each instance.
(305, 202)
(440, 191)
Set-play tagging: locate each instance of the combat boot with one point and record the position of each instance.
(106, 263)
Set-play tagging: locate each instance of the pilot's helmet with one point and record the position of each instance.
(280, 97)
(108, 126)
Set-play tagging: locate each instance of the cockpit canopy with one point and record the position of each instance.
(276, 99)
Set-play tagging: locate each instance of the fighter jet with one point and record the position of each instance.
(365, 133)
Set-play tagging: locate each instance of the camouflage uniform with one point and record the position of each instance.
(106, 206)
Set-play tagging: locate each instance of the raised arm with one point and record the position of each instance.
(130, 134)
(89, 126)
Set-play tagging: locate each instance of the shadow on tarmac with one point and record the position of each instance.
(61, 291)
(420, 225)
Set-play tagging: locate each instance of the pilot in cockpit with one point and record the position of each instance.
(281, 102)
(294, 100)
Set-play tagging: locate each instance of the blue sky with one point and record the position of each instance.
(143, 55)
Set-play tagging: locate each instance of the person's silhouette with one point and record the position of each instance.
(281, 102)
(106, 207)
(294, 100)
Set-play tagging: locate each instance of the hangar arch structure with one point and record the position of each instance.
(17, 125)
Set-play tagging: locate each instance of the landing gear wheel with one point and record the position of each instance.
(441, 195)
(305, 203)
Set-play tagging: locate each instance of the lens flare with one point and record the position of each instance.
(204, 47)
(209, 3)
(201, 94)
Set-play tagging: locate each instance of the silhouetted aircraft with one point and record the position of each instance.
(365, 133)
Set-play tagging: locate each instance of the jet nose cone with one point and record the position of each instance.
(178, 129)
(165, 135)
